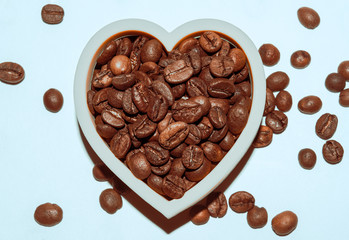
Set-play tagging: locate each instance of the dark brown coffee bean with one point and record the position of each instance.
(217, 117)
(187, 45)
(194, 135)
(300, 59)
(307, 158)
(326, 126)
(263, 138)
(344, 98)
(245, 87)
(113, 117)
(192, 157)
(310, 104)
(158, 108)
(277, 121)
(225, 49)
(257, 217)
(110, 200)
(139, 165)
(237, 118)
(105, 130)
(333, 152)
(283, 101)
(150, 68)
(174, 135)
(124, 81)
(102, 79)
(221, 66)
(221, 103)
(52, 14)
(162, 169)
(270, 102)
(178, 91)
(178, 72)
(221, 88)
(335, 82)
(177, 167)
(124, 47)
(199, 215)
(241, 202)
(141, 96)
(120, 144)
(200, 173)
(194, 60)
(205, 74)
(239, 59)
(102, 173)
(108, 53)
(186, 111)
(217, 204)
(127, 103)
(343, 69)
(210, 41)
(53, 100)
(240, 76)
(48, 214)
(270, 54)
(114, 97)
(173, 186)
(205, 128)
(196, 87)
(228, 141)
(167, 120)
(308, 17)
(277, 81)
(212, 151)
(218, 134)
(162, 88)
(155, 154)
(204, 103)
(120, 64)
(155, 183)
(90, 94)
(151, 51)
(177, 151)
(143, 127)
(11, 73)
(284, 223)
(143, 77)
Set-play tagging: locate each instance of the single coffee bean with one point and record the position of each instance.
(221, 88)
(205, 73)
(124, 46)
(212, 151)
(178, 90)
(52, 14)
(187, 45)
(124, 81)
(310, 104)
(127, 103)
(221, 103)
(217, 117)
(343, 69)
(143, 77)
(326, 126)
(204, 103)
(102, 79)
(139, 165)
(178, 72)
(152, 69)
(270, 54)
(308, 17)
(114, 97)
(277, 81)
(108, 53)
(167, 120)
(199, 215)
(177, 151)
(210, 41)
(105, 130)
(192, 157)
(300, 59)
(110, 200)
(151, 51)
(162, 169)
(257, 217)
(228, 141)
(221, 66)
(11, 73)
(307, 158)
(48, 214)
(155, 154)
(283, 101)
(277, 121)
(241, 202)
(218, 134)
(237, 118)
(332, 152)
(335, 82)
(284, 223)
(239, 59)
(101, 173)
(120, 144)
(263, 138)
(120, 64)
(173, 186)
(270, 102)
(205, 128)
(217, 205)
(53, 100)
(162, 88)
(143, 127)
(186, 111)
(155, 183)
(225, 49)
(200, 173)
(157, 108)
(344, 98)
(194, 135)
(196, 87)
(113, 117)
(174, 135)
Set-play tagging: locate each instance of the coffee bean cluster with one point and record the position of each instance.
(170, 117)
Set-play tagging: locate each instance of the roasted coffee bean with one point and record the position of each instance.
(212, 151)
(162, 88)
(155, 154)
(237, 118)
(151, 51)
(120, 144)
(174, 135)
(143, 127)
(90, 94)
(124, 81)
(300, 59)
(241, 202)
(139, 165)
(177, 167)
(199, 215)
(194, 135)
(245, 87)
(127, 103)
(155, 183)
(165, 61)
(141, 96)
(284, 223)
(277, 81)
(221, 103)
(205, 74)
(204, 103)
(150, 68)
(326, 126)
(310, 104)
(157, 109)
(105, 130)
(11, 73)
(114, 97)
(178, 72)
(263, 138)
(48, 214)
(277, 121)
(270, 54)
(110, 200)
(178, 91)
(238, 77)
(205, 128)
(221, 66)
(308, 17)
(177, 151)
(270, 102)
(187, 45)
(124, 47)
(344, 98)
(167, 120)
(186, 111)
(198, 174)
(192, 157)
(217, 117)
(161, 170)
(210, 41)
(283, 101)
(102, 79)
(218, 134)
(113, 117)
(343, 69)
(333, 152)
(52, 14)
(225, 49)
(53, 100)
(173, 186)
(102, 173)
(307, 158)
(239, 59)
(108, 53)
(228, 141)
(196, 87)
(335, 82)
(194, 60)
(217, 205)
(120, 64)
(221, 88)
(257, 217)
(143, 77)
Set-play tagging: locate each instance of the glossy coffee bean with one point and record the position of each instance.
(120, 64)
(307, 158)
(270, 102)
(326, 126)
(237, 118)
(52, 14)
(212, 151)
(124, 81)
(158, 108)
(277, 81)
(164, 89)
(178, 72)
(257, 217)
(139, 165)
(194, 135)
(217, 117)
(204, 102)
(173, 186)
(217, 205)
(263, 138)
(343, 69)
(310, 104)
(300, 59)
(11, 73)
(199, 215)
(192, 157)
(102, 79)
(155, 183)
(205, 128)
(186, 111)
(174, 135)
(124, 46)
(220, 88)
(155, 154)
(308, 17)
(162, 170)
(210, 41)
(105, 130)
(241, 202)
(127, 103)
(284, 223)
(239, 58)
(120, 144)
(151, 51)
(227, 142)
(110, 200)
(221, 103)
(143, 127)
(221, 66)
(200, 173)
(270, 54)
(108, 53)
(187, 45)
(48, 214)
(53, 100)
(113, 117)
(344, 98)
(277, 121)
(332, 152)
(196, 87)
(335, 82)
(114, 97)
(218, 134)
(283, 101)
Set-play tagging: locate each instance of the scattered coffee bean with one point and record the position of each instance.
(343, 69)
(217, 204)
(11, 73)
(241, 202)
(344, 98)
(53, 100)
(263, 138)
(277, 81)
(52, 14)
(335, 82)
(300, 59)
(257, 217)
(326, 126)
(270, 54)
(101, 172)
(110, 200)
(283, 101)
(332, 152)
(199, 215)
(284, 223)
(310, 104)
(307, 158)
(270, 102)
(308, 17)
(277, 121)
(48, 214)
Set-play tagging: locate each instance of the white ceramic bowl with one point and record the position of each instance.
(83, 75)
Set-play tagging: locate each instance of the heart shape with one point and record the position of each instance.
(84, 70)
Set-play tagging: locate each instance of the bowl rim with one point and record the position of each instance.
(83, 71)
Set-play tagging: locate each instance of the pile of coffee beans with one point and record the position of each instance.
(170, 117)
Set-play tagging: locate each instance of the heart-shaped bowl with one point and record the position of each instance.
(83, 75)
